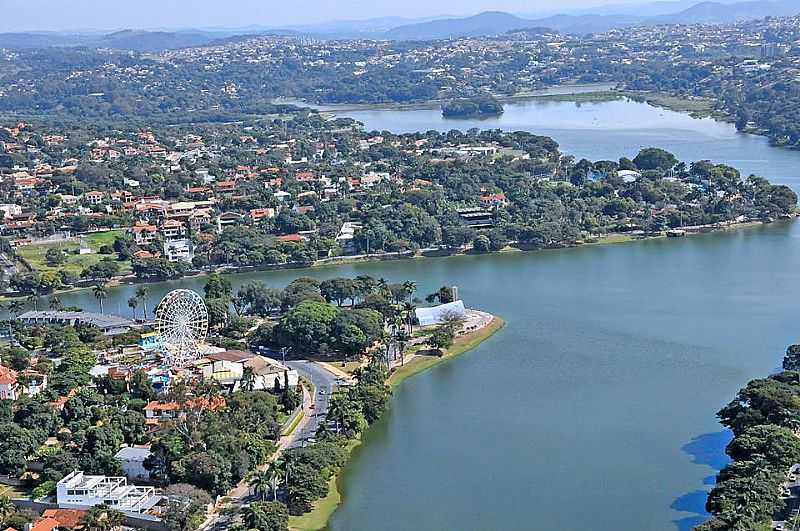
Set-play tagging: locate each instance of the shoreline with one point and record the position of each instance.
(324, 508)
(607, 239)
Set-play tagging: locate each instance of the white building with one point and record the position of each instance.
(79, 491)
(179, 250)
(10, 210)
(440, 314)
(228, 368)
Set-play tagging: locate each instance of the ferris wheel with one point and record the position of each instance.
(182, 323)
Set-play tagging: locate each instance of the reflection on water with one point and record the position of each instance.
(707, 449)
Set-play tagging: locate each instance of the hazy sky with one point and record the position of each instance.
(26, 15)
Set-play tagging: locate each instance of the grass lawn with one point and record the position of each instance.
(462, 344)
(695, 106)
(35, 254)
(318, 518)
(13, 492)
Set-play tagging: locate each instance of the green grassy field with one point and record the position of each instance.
(35, 254)
(460, 345)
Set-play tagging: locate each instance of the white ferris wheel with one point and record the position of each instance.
(182, 324)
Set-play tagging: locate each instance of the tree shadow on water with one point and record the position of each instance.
(707, 449)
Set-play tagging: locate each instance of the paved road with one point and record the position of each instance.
(324, 383)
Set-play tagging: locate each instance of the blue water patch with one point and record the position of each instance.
(707, 449)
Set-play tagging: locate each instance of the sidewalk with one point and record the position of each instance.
(284, 443)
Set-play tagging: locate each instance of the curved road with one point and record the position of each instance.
(324, 383)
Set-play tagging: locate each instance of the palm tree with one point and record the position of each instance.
(33, 300)
(133, 302)
(337, 410)
(55, 303)
(409, 308)
(402, 339)
(410, 287)
(274, 480)
(102, 518)
(100, 292)
(7, 508)
(141, 294)
(261, 482)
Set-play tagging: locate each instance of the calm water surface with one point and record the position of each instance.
(594, 407)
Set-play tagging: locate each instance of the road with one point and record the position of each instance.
(324, 383)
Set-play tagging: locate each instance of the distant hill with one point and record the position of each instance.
(601, 19)
(488, 23)
(152, 41)
(140, 41)
(718, 13)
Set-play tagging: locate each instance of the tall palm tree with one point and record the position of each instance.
(141, 294)
(100, 292)
(274, 479)
(33, 300)
(402, 340)
(55, 303)
(133, 302)
(261, 482)
(409, 308)
(410, 287)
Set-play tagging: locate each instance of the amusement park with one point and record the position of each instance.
(241, 380)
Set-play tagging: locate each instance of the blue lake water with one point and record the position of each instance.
(594, 408)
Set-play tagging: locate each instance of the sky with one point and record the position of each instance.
(60, 15)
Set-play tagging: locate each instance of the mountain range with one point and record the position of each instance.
(398, 28)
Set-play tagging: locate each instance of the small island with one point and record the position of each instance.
(483, 105)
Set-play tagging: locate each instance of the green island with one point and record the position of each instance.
(475, 106)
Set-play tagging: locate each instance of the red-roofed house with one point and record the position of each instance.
(257, 214)
(8, 383)
(494, 200)
(66, 518)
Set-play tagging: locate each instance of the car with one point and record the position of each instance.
(322, 391)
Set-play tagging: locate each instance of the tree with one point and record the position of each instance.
(442, 338)
(185, 512)
(654, 159)
(15, 447)
(338, 290)
(218, 287)
(102, 518)
(141, 293)
(261, 483)
(791, 361)
(133, 302)
(55, 257)
(346, 415)
(266, 516)
(306, 326)
(7, 509)
(482, 244)
(100, 292)
(306, 484)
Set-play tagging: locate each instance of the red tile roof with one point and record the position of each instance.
(7, 376)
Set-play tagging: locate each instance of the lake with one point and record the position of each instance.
(594, 407)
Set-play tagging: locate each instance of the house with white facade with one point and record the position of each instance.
(80, 491)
